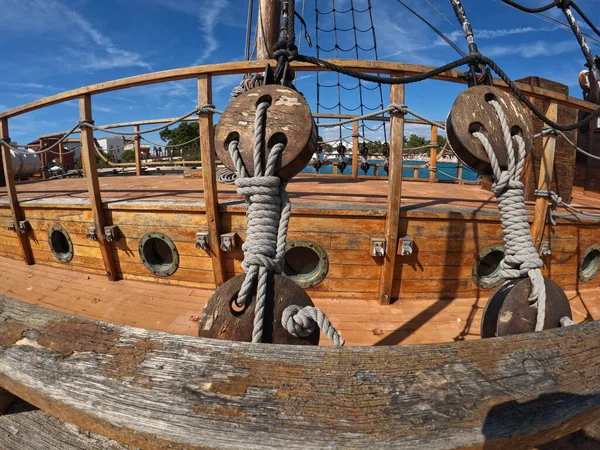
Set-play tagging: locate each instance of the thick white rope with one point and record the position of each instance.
(268, 213)
(302, 322)
(521, 257)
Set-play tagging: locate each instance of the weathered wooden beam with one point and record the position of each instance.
(267, 29)
(240, 67)
(433, 155)
(209, 180)
(392, 222)
(157, 390)
(355, 145)
(88, 158)
(540, 215)
(137, 148)
(13, 199)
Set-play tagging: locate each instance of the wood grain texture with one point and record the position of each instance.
(152, 390)
(240, 67)
(545, 180)
(13, 199)
(26, 427)
(394, 197)
(209, 180)
(88, 157)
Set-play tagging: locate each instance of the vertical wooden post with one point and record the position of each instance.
(209, 179)
(137, 148)
(416, 173)
(267, 29)
(335, 169)
(545, 180)
(60, 154)
(355, 149)
(88, 159)
(43, 160)
(459, 171)
(392, 222)
(11, 190)
(433, 155)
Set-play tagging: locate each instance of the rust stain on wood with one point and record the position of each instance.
(70, 336)
(11, 332)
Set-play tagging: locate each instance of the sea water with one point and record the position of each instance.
(448, 168)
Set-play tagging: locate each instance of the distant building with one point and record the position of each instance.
(113, 146)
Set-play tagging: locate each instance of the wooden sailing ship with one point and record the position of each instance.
(100, 325)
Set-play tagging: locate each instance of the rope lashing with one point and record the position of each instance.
(203, 109)
(302, 322)
(521, 257)
(268, 214)
(558, 201)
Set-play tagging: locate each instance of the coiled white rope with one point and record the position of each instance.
(268, 213)
(521, 257)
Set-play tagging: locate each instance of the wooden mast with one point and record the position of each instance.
(267, 27)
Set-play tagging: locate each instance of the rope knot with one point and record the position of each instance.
(5, 140)
(302, 322)
(207, 108)
(297, 322)
(86, 123)
(398, 109)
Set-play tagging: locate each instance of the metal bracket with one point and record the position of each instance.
(111, 233)
(406, 247)
(202, 240)
(377, 247)
(12, 227)
(228, 242)
(24, 227)
(545, 249)
(91, 234)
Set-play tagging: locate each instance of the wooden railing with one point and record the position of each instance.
(204, 75)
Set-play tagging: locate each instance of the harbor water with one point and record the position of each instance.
(446, 170)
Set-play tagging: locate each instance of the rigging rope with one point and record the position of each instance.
(268, 214)
(521, 257)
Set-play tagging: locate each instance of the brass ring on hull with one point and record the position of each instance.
(60, 244)
(159, 254)
(305, 263)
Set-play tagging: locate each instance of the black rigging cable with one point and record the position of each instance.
(439, 33)
(533, 10)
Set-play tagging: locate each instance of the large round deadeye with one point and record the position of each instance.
(472, 112)
(222, 318)
(290, 122)
(509, 311)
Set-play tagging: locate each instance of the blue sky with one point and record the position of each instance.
(49, 46)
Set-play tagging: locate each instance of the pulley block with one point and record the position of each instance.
(289, 121)
(223, 319)
(341, 165)
(473, 112)
(509, 311)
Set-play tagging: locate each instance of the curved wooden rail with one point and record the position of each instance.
(241, 67)
(156, 390)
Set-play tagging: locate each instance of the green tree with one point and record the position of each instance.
(186, 133)
(128, 156)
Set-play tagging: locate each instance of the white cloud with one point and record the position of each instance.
(531, 49)
(208, 14)
(79, 37)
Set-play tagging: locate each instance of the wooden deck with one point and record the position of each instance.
(439, 301)
(176, 309)
(304, 191)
